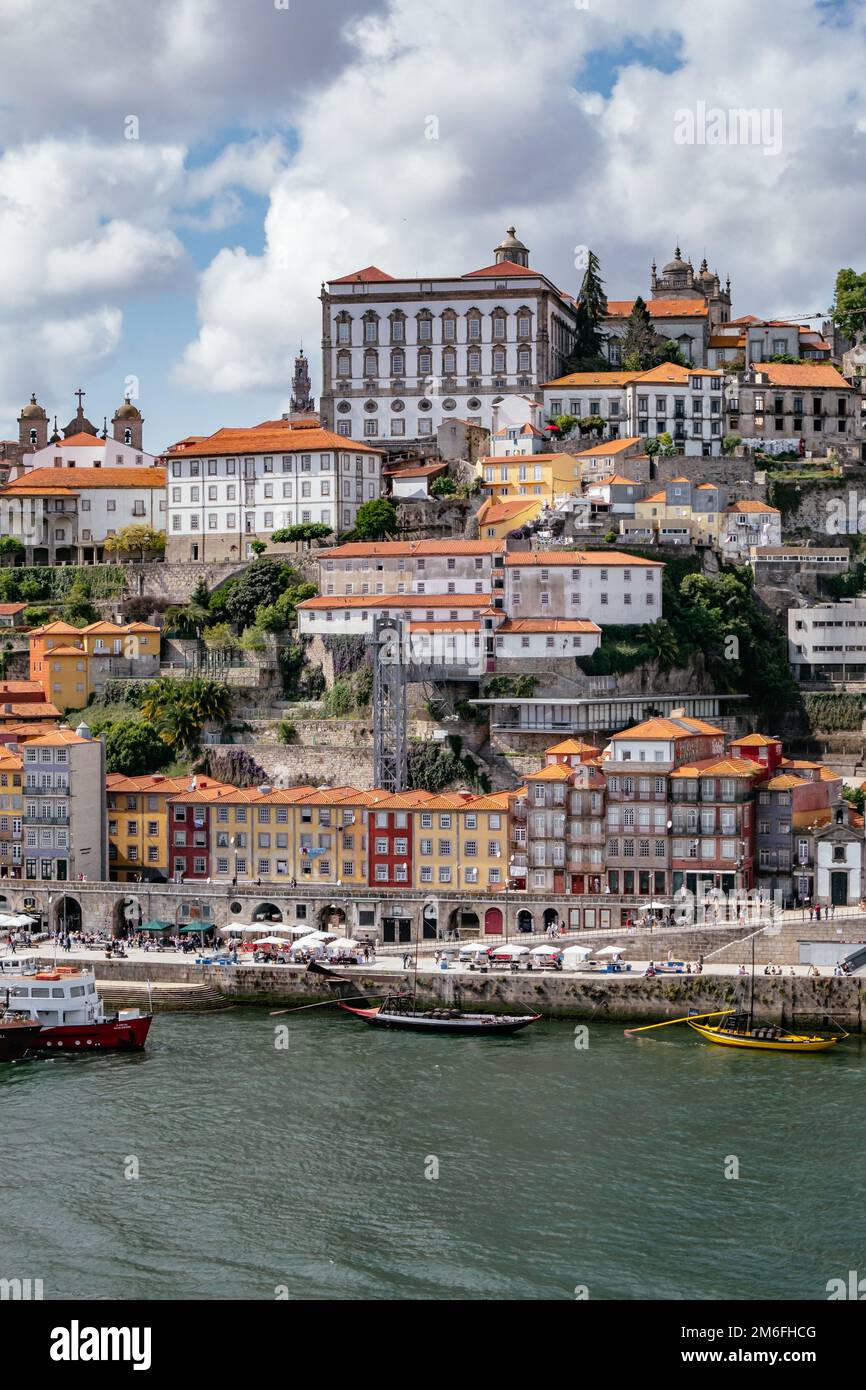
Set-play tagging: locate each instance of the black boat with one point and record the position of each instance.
(18, 1035)
(398, 1011)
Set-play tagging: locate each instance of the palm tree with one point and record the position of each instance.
(659, 643)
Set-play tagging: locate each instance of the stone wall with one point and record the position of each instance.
(174, 583)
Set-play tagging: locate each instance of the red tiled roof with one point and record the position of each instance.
(360, 550)
(370, 275)
(79, 441)
(545, 558)
(504, 269)
(475, 602)
(660, 308)
(276, 440)
(802, 374)
(547, 625)
(72, 480)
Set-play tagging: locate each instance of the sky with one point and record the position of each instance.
(178, 178)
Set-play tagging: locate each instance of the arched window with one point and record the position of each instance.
(127, 435)
(34, 438)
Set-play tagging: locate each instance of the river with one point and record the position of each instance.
(352, 1163)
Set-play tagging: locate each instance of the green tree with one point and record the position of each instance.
(11, 550)
(668, 350)
(304, 531)
(258, 547)
(188, 619)
(136, 540)
(262, 582)
(376, 520)
(180, 708)
(849, 304)
(443, 486)
(134, 747)
(588, 351)
(730, 443)
(666, 446)
(639, 343)
(660, 643)
(220, 638)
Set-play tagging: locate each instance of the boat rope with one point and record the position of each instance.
(324, 1004)
(630, 1032)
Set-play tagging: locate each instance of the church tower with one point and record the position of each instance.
(80, 423)
(511, 249)
(126, 425)
(302, 393)
(33, 426)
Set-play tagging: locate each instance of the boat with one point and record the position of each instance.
(398, 1011)
(17, 1036)
(70, 1014)
(735, 1030)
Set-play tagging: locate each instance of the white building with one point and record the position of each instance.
(746, 524)
(601, 586)
(686, 403)
(64, 516)
(402, 355)
(827, 641)
(839, 862)
(89, 451)
(240, 485)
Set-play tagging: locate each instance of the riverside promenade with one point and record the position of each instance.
(171, 981)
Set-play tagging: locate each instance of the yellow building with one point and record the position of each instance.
(541, 476)
(461, 842)
(682, 509)
(138, 824)
(497, 519)
(73, 663)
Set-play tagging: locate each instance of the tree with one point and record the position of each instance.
(376, 520)
(11, 550)
(660, 643)
(188, 620)
(443, 486)
(565, 423)
(220, 638)
(134, 747)
(304, 531)
(639, 345)
(179, 708)
(137, 540)
(666, 446)
(258, 547)
(587, 353)
(849, 304)
(667, 350)
(262, 582)
(730, 443)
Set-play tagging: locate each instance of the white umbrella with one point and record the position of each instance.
(610, 951)
(316, 938)
(576, 953)
(342, 943)
(15, 919)
(544, 951)
(269, 941)
(510, 951)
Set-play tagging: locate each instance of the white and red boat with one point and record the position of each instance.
(65, 1003)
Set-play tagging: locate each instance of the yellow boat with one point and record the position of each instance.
(734, 1031)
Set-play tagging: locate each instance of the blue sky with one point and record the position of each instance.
(278, 148)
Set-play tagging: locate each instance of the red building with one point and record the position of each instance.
(188, 827)
(389, 840)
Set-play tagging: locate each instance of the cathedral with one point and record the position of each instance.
(686, 306)
(36, 434)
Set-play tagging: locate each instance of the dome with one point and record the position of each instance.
(33, 411)
(128, 411)
(677, 264)
(705, 273)
(511, 242)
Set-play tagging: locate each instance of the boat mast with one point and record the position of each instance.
(752, 990)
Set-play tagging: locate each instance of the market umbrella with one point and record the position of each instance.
(342, 943)
(610, 951)
(156, 926)
(544, 951)
(510, 951)
(574, 953)
(269, 941)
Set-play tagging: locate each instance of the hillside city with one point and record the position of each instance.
(548, 610)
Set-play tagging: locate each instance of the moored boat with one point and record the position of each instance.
(398, 1011)
(736, 1030)
(17, 1037)
(70, 1015)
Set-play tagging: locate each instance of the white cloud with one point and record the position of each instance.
(519, 141)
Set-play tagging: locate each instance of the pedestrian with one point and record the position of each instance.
(817, 912)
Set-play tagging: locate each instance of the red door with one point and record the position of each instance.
(493, 921)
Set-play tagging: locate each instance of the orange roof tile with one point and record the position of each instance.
(605, 558)
(802, 374)
(668, 729)
(78, 441)
(504, 269)
(660, 308)
(75, 479)
(720, 767)
(551, 772)
(267, 441)
(370, 275)
(750, 506)
(609, 447)
(754, 741)
(490, 512)
(572, 745)
(547, 625)
(454, 625)
(588, 379)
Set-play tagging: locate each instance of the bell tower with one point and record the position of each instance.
(302, 391)
(33, 426)
(126, 425)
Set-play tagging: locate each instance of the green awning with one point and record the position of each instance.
(202, 926)
(156, 926)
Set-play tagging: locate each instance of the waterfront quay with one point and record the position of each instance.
(172, 981)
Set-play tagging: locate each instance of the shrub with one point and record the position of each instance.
(287, 733)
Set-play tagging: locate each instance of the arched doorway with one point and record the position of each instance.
(267, 912)
(67, 915)
(430, 922)
(524, 920)
(331, 917)
(493, 921)
(463, 921)
(551, 917)
(126, 916)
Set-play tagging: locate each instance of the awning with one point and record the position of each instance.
(156, 926)
(202, 926)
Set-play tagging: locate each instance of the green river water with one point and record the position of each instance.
(267, 1171)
